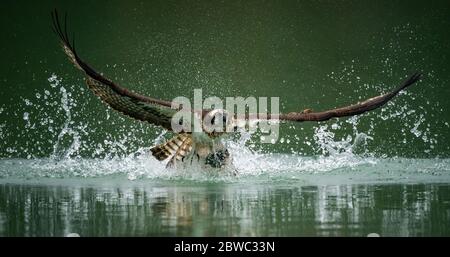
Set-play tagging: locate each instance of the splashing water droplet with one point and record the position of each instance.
(27, 102)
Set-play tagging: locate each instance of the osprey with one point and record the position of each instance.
(204, 145)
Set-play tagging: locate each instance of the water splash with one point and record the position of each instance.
(66, 133)
(60, 122)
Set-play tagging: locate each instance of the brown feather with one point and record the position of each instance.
(178, 147)
(351, 110)
(121, 99)
(359, 108)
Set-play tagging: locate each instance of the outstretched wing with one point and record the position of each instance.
(359, 108)
(152, 110)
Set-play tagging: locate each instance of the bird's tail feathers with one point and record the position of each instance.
(177, 148)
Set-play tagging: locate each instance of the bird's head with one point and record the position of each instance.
(218, 121)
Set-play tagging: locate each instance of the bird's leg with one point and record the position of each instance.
(195, 154)
(192, 156)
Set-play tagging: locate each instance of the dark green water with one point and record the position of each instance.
(174, 209)
(68, 164)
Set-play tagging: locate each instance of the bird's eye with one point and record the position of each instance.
(213, 120)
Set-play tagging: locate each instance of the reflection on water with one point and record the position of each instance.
(215, 209)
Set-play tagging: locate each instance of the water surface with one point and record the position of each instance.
(388, 197)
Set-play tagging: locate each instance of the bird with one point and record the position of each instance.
(204, 146)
